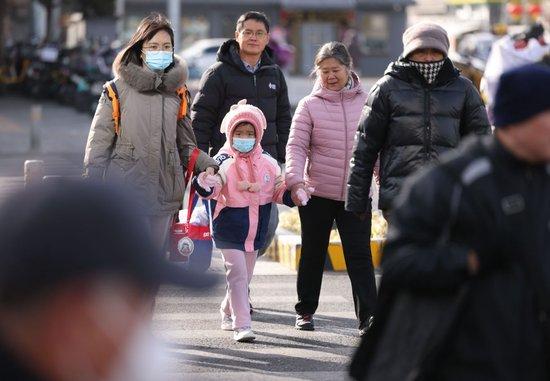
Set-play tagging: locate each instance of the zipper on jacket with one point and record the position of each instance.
(345, 145)
(428, 127)
(256, 89)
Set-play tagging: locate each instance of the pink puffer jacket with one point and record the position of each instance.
(321, 139)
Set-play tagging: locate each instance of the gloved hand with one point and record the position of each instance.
(302, 196)
(207, 181)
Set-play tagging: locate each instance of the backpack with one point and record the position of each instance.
(112, 93)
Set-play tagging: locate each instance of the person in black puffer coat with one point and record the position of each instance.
(419, 109)
(245, 70)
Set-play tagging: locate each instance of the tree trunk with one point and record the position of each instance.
(49, 8)
(3, 12)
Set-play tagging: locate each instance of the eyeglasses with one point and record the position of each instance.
(157, 47)
(260, 34)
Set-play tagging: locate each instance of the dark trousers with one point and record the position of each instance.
(317, 218)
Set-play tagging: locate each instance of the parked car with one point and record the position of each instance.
(471, 54)
(200, 56)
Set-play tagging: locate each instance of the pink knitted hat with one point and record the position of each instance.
(242, 112)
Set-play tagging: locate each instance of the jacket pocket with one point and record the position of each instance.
(177, 174)
(122, 162)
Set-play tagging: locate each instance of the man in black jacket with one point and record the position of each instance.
(421, 108)
(245, 70)
(493, 198)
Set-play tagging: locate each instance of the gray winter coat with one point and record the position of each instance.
(153, 147)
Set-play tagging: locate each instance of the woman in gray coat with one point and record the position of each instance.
(153, 146)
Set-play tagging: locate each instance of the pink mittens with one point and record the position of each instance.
(206, 181)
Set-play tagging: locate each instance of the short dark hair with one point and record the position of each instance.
(252, 15)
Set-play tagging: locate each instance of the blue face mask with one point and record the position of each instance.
(244, 145)
(158, 60)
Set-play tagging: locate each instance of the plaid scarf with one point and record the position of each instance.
(429, 70)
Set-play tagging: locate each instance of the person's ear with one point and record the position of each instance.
(236, 35)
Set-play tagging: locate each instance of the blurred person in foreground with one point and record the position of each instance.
(77, 272)
(492, 197)
(421, 108)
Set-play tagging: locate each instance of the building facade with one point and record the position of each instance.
(371, 28)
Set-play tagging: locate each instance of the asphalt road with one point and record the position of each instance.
(189, 323)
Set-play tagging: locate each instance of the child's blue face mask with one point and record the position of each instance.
(158, 60)
(244, 145)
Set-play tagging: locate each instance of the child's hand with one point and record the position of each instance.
(207, 181)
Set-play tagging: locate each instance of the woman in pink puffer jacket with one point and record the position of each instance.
(319, 150)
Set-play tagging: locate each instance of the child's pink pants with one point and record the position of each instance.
(239, 266)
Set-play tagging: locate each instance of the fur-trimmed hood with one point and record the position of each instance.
(144, 79)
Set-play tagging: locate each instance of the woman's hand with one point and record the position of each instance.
(210, 171)
(300, 194)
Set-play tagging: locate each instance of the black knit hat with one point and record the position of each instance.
(521, 94)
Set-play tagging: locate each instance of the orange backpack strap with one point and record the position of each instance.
(112, 94)
(185, 99)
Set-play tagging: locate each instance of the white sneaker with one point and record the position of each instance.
(244, 335)
(227, 323)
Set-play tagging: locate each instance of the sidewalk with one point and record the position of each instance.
(62, 133)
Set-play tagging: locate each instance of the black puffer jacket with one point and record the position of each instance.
(503, 214)
(410, 123)
(227, 82)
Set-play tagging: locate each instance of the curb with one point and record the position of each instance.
(286, 249)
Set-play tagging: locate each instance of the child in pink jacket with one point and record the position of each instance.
(247, 183)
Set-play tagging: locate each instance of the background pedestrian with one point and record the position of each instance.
(319, 150)
(248, 183)
(419, 109)
(153, 145)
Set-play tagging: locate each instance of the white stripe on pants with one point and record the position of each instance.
(239, 267)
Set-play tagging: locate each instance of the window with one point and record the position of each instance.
(374, 34)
